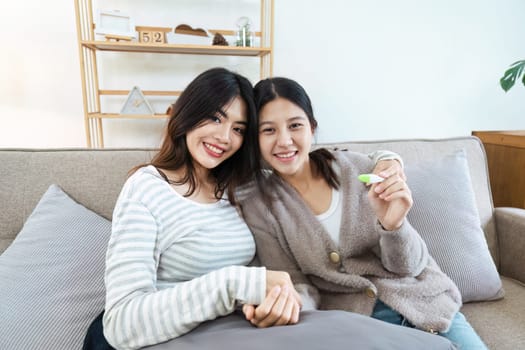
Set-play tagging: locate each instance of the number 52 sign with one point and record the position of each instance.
(152, 35)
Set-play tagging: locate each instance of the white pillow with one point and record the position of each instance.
(52, 276)
(446, 216)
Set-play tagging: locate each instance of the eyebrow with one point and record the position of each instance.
(224, 115)
(288, 120)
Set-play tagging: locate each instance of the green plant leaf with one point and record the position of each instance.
(514, 72)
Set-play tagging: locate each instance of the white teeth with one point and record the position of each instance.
(285, 155)
(213, 148)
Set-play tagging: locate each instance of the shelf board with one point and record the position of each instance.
(512, 138)
(127, 46)
(125, 116)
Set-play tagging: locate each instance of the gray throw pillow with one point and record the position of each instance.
(445, 215)
(52, 276)
(317, 330)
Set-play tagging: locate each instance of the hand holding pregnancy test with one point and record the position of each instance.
(370, 178)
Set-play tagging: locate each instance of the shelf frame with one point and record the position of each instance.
(89, 47)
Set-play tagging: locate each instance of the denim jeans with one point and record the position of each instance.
(460, 333)
(95, 339)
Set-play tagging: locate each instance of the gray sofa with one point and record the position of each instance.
(94, 179)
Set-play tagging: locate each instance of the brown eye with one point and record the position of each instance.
(240, 131)
(267, 130)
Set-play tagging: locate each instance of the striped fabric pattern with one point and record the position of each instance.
(173, 263)
(51, 276)
(445, 215)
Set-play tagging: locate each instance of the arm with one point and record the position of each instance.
(384, 155)
(402, 250)
(282, 304)
(273, 255)
(139, 313)
(387, 164)
(510, 225)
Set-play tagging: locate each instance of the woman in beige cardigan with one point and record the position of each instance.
(345, 245)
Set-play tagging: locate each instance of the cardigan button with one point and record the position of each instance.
(334, 257)
(370, 293)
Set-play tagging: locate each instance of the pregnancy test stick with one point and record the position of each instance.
(370, 178)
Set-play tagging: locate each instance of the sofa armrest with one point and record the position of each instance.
(510, 227)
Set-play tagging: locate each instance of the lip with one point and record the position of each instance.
(212, 152)
(286, 159)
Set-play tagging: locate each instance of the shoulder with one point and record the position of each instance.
(145, 180)
(353, 159)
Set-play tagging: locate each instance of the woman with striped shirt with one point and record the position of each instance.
(178, 250)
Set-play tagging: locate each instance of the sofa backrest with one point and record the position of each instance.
(94, 177)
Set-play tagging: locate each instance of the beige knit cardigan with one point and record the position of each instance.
(394, 266)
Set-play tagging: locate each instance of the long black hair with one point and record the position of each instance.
(204, 97)
(270, 89)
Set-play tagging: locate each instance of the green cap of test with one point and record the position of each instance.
(370, 178)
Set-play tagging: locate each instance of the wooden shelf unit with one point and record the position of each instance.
(506, 161)
(90, 48)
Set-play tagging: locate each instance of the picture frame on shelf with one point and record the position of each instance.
(114, 23)
(136, 103)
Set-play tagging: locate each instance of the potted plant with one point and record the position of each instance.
(514, 72)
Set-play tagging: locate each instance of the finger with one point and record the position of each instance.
(266, 306)
(249, 311)
(297, 297)
(394, 187)
(402, 194)
(286, 314)
(272, 317)
(381, 187)
(389, 171)
(395, 169)
(295, 314)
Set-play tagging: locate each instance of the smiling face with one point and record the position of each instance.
(218, 137)
(285, 137)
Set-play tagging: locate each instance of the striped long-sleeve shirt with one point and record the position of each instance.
(173, 263)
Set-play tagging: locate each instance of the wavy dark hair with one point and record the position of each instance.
(204, 97)
(270, 89)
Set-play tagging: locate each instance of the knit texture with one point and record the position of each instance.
(394, 266)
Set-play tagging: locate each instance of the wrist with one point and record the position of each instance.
(389, 228)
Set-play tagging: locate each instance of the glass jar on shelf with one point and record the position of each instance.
(244, 34)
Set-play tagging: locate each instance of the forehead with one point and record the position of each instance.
(235, 110)
(280, 108)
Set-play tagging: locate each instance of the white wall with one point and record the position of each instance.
(383, 69)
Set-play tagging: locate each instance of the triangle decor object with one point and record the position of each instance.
(136, 103)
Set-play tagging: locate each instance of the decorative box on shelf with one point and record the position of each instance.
(152, 35)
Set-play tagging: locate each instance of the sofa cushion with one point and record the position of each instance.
(53, 275)
(500, 323)
(316, 330)
(445, 215)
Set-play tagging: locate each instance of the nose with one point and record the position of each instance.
(223, 133)
(284, 138)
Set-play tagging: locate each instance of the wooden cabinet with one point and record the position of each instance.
(506, 160)
(90, 48)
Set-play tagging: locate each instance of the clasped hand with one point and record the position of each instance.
(281, 305)
(390, 199)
